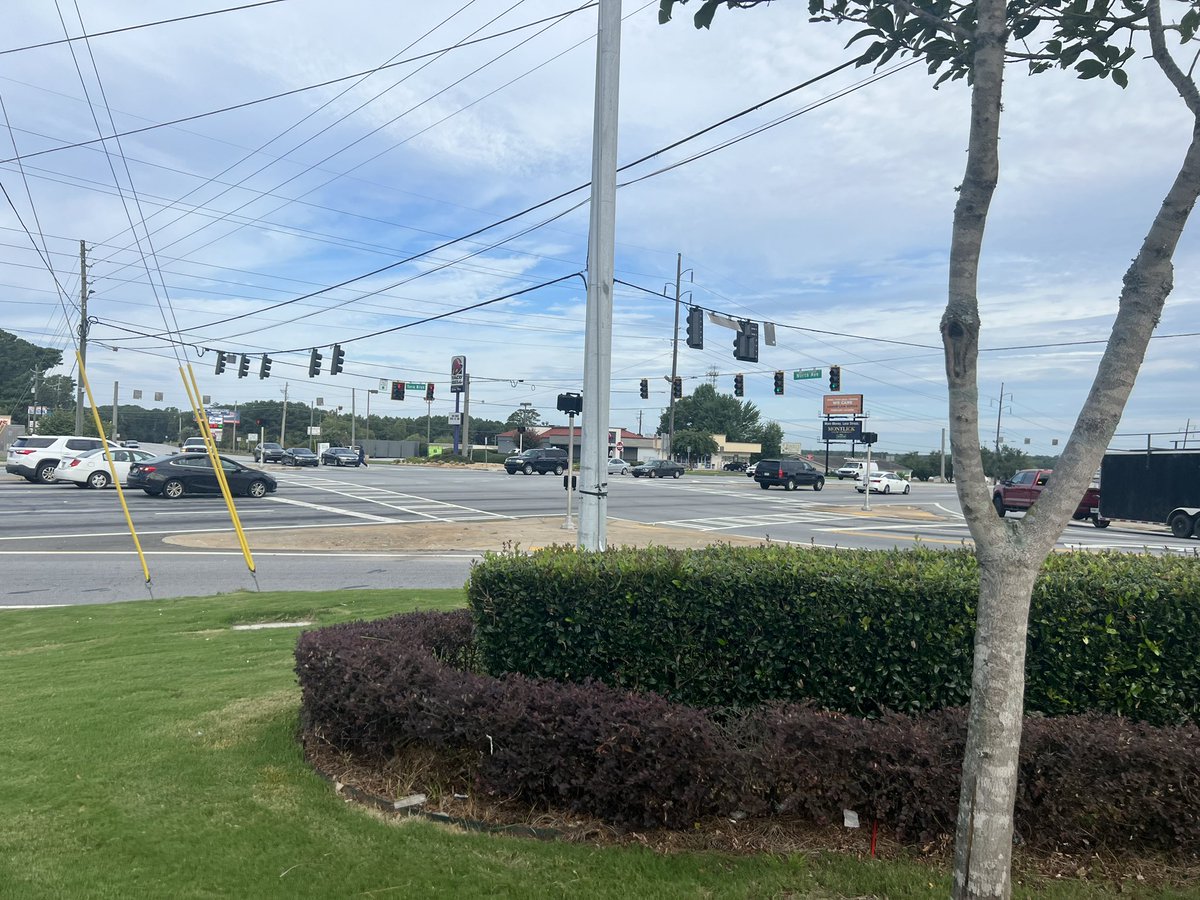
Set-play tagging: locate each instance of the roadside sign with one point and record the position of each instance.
(801, 374)
(455, 418)
(843, 404)
(415, 385)
(458, 374)
(850, 430)
(314, 430)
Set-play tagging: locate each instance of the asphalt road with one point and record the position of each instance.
(61, 544)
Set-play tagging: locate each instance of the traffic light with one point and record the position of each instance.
(429, 392)
(264, 367)
(745, 342)
(695, 328)
(779, 382)
(220, 364)
(397, 390)
(835, 378)
(243, 366)
(314, 363)
(337, 360)
(677, 387)
(739, 385)
(645, 389)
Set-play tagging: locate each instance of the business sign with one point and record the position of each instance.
(458, 374)
(850, 430)
(314, 430)
(801, 374)
(843, 405)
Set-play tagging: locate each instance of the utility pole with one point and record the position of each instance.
(116, 435)
(283, 420)
(942, 458)
(466, 415)
(83, 331)
(597, 339)
(674, 361)
(353, 417)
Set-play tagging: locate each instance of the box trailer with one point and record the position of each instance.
(1157, 486)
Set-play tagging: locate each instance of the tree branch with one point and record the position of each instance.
(929, 18)
(1182, 83)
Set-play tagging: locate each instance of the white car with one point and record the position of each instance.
(885, 483)
(91, 469)
(617, 466)
(751, 469)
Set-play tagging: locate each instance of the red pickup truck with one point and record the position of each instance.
(1019, 493)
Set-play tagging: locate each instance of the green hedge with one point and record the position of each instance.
(858, 631)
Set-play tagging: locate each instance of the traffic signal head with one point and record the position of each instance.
(745, 342)
(243, 366)
(677, 387)
(264, 367)
(220, 364)
(645, 389)
(397, 390)
(835, 378)
(337, 360)
(739, 385)
(695, 328)
(429, 392)
(779, 382)
(314, 363)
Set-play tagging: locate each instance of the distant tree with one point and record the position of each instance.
(693, 444)
(770, 436)
(706, 410)
(20, 362)
(1002, 465)
(526, 415)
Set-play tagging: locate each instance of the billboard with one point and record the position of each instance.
(843, 405)
(458, 374)
(841, 431)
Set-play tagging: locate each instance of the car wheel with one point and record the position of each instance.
(173, 489)
(44, 473)
(763, 485)
(558, 470)
(98, 480)
(887, 488)
(677, 473)
(790, 484)
(1180, 525)
(1099, 522)
(818, 484)
(256, 488)
(906, 488)
(528, 470)
(999, 504)
(624, 471)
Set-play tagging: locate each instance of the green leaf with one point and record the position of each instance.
(1120, 78)
(1090, 68)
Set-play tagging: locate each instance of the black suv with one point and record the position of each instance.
(550, 459)
(791, 473)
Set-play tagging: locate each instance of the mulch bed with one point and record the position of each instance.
(451, 798)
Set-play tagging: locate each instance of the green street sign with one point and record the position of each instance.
(415, 385)
(800, 374)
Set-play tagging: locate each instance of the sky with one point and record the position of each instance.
(299, 173)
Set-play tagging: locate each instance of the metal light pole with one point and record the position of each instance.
(597, 338)
(370, 391)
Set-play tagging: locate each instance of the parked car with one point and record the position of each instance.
(91, 469)
(617, 466)
(734, 467)
(790, 473)
(339, 456)
(884, 483)
(751, 469)
(177, 474)
(268, 451)
(35, 457)
(130, 445)
(540, 460)
(300, 456)
(658, 468)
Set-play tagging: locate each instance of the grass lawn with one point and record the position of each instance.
(147, 749)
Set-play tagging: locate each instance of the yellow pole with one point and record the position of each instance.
(214, 458)
(112, 467)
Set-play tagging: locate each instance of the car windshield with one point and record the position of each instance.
(300, 451)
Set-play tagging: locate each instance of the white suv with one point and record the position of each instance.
(36, 456)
